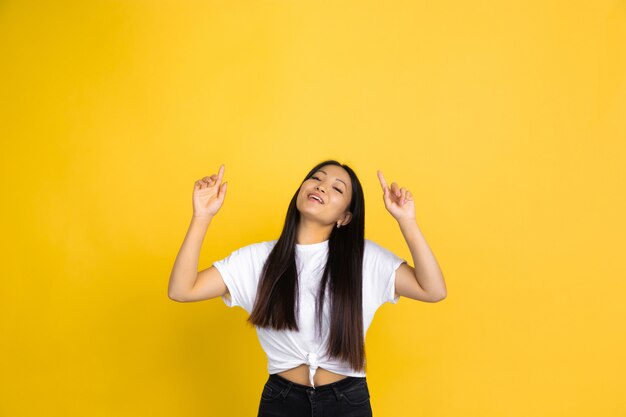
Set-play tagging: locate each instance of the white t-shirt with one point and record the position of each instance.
(287, 349)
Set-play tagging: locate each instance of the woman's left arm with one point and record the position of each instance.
(425, 281)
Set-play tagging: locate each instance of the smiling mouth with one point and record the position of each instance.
(312, 198)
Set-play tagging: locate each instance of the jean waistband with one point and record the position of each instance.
(342, 383)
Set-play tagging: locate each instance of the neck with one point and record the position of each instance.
(310, 232)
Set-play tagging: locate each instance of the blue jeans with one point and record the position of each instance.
(347, 397)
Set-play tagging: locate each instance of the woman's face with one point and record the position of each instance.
(333, 186)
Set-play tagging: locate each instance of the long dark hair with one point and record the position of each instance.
(277, 292)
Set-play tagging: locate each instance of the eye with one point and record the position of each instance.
(316, 178)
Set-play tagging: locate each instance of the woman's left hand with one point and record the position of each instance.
(398, 201)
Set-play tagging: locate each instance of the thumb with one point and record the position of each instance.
(222, 190)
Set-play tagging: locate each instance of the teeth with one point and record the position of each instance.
(317, 198)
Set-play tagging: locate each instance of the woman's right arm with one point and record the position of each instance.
(186, 283)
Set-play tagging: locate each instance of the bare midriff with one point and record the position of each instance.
(300, 375)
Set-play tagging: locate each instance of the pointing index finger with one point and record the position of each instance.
(383, 183)
(220, 174)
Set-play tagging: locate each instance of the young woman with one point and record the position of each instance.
(311, 293)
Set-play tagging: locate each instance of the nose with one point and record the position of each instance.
(317, 187)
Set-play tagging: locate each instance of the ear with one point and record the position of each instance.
(346, 218)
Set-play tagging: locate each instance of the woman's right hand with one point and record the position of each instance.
(208, 195)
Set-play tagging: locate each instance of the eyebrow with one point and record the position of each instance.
(336, 179)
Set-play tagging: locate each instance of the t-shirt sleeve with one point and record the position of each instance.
(241, 272)
(380, 273)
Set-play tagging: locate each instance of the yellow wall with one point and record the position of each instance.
(505, 119)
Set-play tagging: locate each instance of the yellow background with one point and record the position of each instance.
(505, 119)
